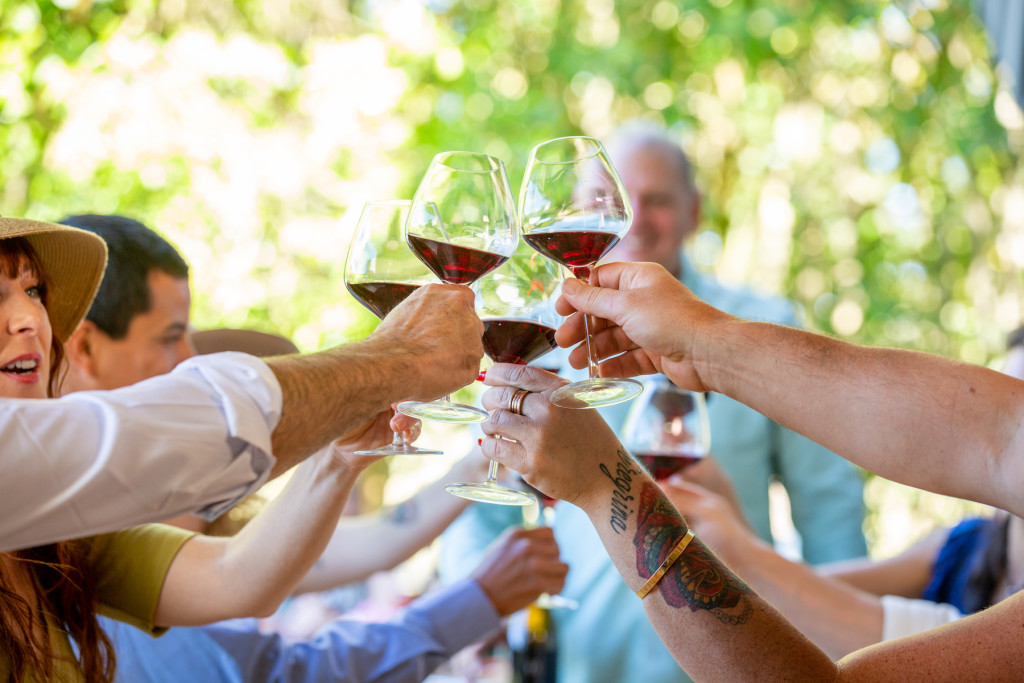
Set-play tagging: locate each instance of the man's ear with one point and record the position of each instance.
(80, 349)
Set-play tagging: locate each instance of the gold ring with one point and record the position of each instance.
(515, 404)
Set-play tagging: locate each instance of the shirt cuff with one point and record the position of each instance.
(456, 616)
(905, 617)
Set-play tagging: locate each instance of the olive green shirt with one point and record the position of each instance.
(130, 567)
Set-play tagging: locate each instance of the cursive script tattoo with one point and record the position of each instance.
(698, 579)
(622, 479)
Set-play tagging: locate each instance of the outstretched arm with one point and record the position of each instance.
(363, 545)
(427, 347)
(916, 418)
(713, 623)
(252, 572)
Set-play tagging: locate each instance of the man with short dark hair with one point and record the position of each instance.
(137, 327)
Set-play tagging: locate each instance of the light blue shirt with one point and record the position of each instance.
(407, 648)
(609, 639)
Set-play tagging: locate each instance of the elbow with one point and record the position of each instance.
(265, 606)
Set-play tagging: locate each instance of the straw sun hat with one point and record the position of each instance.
(73, 261)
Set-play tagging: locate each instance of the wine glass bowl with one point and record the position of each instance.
(517, 306)
(667, 430)
(462, 225)
(380, 272)
(573, 210)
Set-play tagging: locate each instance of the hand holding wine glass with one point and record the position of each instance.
(516, 303)
(574, 209)
(381, 272)
(462, 226)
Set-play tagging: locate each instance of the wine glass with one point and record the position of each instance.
(574, 209)
(380, 272)
(543, 513)
(667, 430)
(462, 225)
(517, 305)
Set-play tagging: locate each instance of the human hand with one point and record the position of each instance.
(437, 330)
(556, 450)
(708, 474)
(377, 431)
(523, 564)
(643, 313)
(712, 517)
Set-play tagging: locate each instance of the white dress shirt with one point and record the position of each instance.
(905, 617)
(196, 440)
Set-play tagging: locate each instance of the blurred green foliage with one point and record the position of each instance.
(858, 156)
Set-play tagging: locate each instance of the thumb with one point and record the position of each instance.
(599, 301)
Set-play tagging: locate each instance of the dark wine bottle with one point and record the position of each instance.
(534, 646)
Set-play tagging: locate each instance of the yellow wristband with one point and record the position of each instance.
(669, 561)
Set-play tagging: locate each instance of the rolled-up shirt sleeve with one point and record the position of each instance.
(196, 440)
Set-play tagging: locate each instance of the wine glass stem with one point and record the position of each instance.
(584, 274)
(399, 440)
(492, 473)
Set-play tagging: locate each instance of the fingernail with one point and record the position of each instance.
(571, 285)
(481, 376)
(480, 441)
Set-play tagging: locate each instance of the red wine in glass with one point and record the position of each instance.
(452, 263)
(381, 297)
(577, 250)
(511, 340)
(664, 465)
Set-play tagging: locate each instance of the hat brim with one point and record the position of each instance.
(73, 262)
(247, 341)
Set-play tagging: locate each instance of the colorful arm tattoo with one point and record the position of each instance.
(698, 579)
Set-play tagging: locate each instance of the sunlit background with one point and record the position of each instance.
(860, 158)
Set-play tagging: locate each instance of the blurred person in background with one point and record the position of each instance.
(138, 328)
(608, 639)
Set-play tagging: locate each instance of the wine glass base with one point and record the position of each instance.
(490, 493)
(597, 393)
(391, 449)
(442, 411)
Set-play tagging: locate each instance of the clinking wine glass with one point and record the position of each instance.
(667, 430)
(380, 272)
(574, 209)
(517, 306)
(462, 225)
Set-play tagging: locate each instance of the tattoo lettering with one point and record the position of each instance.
(622, 479)
(698, 579)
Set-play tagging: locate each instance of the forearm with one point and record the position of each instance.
(837, 617)
(363, 545)
(251, 573)
(714, 625)
(887, 410)
(328, 393)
